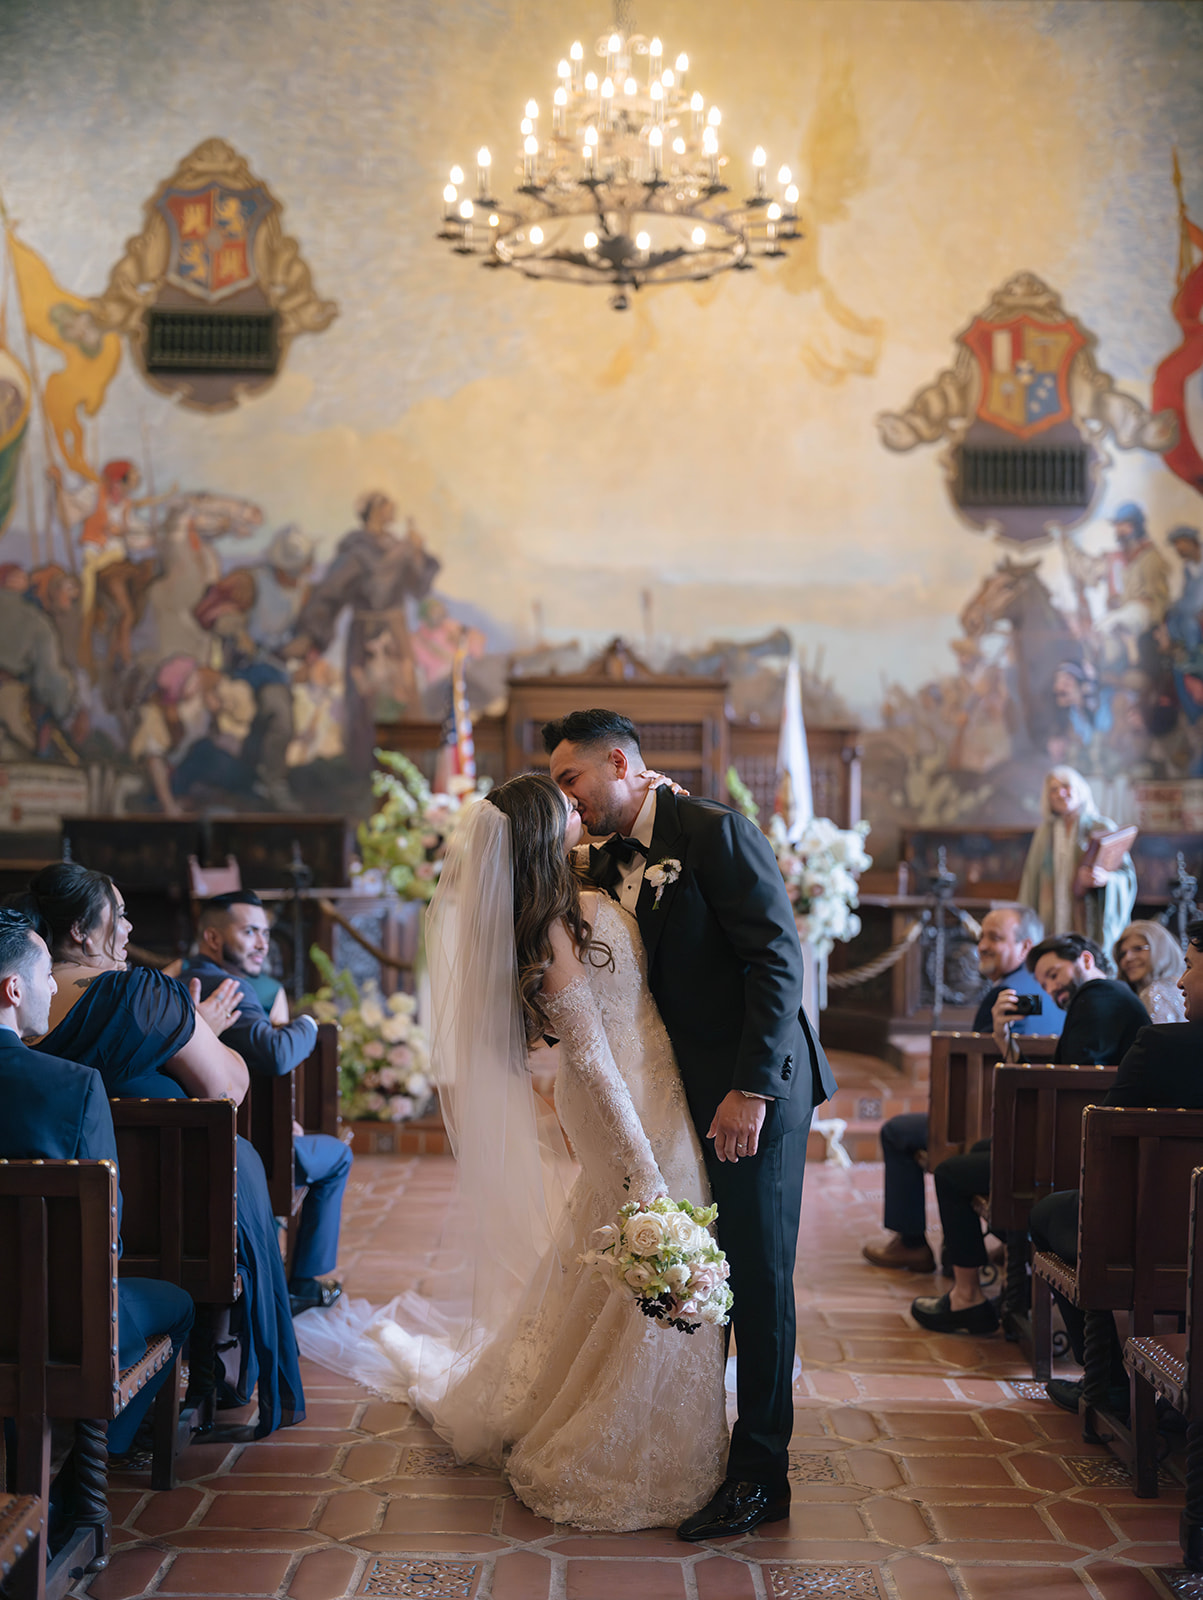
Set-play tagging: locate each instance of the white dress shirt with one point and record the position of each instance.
(632, 880)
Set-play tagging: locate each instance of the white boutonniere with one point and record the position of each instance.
(661, 875)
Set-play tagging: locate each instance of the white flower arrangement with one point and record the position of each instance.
(661, 875)
(665, 1255)
(403, 844)
(383, 1059)
(820, 868)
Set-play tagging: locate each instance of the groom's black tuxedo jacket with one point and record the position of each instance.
(725, 965)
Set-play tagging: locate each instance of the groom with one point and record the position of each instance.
(725, 968)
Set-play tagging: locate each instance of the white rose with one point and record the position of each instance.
(677, 1278)
(639, 1276)
(709, 1312)
(418, 1085)
(372, 1013)
(644, 1233)
(680, 1231)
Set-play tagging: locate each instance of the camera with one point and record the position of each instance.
(1027, 1005)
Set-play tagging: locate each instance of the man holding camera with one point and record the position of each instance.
(1007, 934)
(1102, 1019)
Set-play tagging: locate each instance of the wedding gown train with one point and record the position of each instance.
(603, 1419)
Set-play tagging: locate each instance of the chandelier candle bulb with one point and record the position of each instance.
(643, 242)
(698, 238)
(590, 241)
(483, 162)
(774, 217)
(558, 113)
(784, 176)
(791, 195)
(714, 117)
(658, 101)
(530, 153)
(667, 78)
(759, 162)
(577, 56)
(456, 175)
(682, 67)
(655, 60)
(450, 195)
(613, 46)
(536, 235)
(655, 141)
(591, 83)
(697, 106)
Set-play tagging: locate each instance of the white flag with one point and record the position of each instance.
(794, 801)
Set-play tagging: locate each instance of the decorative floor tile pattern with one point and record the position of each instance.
(1090, 1470)
(923, 1467)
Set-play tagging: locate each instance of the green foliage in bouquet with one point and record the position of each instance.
(383, 1057)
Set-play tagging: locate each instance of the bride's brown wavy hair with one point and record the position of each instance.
(546, 888)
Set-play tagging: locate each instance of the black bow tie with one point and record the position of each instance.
(617, 846)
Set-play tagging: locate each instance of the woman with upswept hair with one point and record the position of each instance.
(512, 1347)
(150, 1039)
(1149, 959)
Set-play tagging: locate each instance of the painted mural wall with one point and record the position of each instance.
(202, 607)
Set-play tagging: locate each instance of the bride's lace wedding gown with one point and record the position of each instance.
(612, 1421)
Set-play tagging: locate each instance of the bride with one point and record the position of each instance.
(515, 1350)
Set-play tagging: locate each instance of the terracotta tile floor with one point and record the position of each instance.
(921, 1472)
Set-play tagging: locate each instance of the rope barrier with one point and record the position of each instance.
(879, 964)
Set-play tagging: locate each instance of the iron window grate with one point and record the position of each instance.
(212, 341)
(1032, 476)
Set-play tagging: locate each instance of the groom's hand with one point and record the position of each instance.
(736, 1126)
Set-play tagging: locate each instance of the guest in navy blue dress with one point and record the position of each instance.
(148, 1039)
(58, 1111)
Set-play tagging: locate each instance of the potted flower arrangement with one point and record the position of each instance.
(820, 867)
(402, 845)
(383, 1056)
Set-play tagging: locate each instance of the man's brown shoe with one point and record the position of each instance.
(907, 1257)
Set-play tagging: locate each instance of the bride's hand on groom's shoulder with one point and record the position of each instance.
(655, 779)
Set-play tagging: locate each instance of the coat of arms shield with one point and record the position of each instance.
(212, 238)
(1024, 365)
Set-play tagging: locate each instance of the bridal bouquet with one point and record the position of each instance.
(403, 843)
(666, 1256)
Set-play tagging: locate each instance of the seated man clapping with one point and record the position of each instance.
(232, 942)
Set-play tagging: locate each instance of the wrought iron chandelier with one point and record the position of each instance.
(621, 184)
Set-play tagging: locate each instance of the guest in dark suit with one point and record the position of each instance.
(57, 1110)
(725, 968)
(1163, 1067)
(1102, 1019)
(1007, 934)
(232, 942)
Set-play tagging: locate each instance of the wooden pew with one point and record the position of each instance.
(179, 1184)
(22, 1517)
(1036, 1148)
(309, 1096)
(317, 1085)
(1133, 1223)
(962, 1088)
(58, 1346)
(1171, 1365)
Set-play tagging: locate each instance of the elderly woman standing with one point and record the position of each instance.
(1068, 896)
(1148, 958)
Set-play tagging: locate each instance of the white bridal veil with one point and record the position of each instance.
(448, 1344)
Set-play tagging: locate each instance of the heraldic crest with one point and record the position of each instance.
(1025, 380)
(212, 239)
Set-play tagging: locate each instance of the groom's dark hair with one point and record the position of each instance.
(591, 728)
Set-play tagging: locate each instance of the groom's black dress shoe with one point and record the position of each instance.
(736, 1508)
